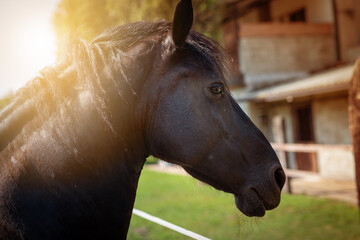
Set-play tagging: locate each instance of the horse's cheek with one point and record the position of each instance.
(179, 129)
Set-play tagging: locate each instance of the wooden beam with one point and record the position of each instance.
(284, 29)
(354, 116)
(300, 173)
(298, 147)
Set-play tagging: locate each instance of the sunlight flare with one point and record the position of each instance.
(36, 45)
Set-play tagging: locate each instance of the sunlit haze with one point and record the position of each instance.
(27, 42)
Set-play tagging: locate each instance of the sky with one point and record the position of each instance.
(27, 41)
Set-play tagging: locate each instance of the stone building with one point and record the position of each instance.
(292, 64)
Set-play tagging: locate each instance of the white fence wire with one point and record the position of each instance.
(169, 225)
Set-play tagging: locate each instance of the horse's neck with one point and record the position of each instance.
(81, 152)
(104, 165)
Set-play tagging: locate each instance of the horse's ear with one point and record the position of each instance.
(183, 19)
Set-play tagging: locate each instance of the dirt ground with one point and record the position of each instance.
(327, 188)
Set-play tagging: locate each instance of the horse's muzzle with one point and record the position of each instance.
(250, 204)
(257, 199)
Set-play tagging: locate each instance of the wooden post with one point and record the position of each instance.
(279, 137)
(354, 116)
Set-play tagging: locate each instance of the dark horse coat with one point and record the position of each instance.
(74, 140)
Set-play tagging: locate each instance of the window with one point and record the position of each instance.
(298, 16)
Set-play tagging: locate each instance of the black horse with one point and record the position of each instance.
(74, 140)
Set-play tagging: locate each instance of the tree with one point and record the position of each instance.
(5, 100)
(354, 112)
(90, 18)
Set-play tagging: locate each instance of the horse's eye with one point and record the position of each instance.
(217, 88)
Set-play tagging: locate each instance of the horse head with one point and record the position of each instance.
(192, 120)
(74, 140)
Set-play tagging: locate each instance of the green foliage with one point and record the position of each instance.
(90, 18)
(183, 201)
(151, 160)
(4, 101)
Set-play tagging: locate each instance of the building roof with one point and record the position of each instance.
(327, 82)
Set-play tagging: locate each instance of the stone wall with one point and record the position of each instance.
(331, 121)
(331, 126)
(266, 60)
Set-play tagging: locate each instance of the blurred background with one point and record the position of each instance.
(291, 66)
(35, 33)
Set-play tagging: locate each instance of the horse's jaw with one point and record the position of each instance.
(212, 181)
(250, 204)
(252, 201)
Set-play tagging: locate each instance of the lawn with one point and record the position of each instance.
(183, 201)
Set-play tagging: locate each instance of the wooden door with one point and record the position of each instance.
(304, 133)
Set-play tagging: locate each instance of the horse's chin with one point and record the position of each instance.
(250, 204)
(208, 179)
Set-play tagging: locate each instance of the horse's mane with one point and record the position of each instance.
(93, 66)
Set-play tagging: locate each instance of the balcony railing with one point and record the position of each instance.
(284, 29)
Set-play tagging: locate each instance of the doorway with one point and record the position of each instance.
(304, 133)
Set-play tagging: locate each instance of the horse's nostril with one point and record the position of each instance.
(280, 177)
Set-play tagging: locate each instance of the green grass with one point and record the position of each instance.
(183, 201)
